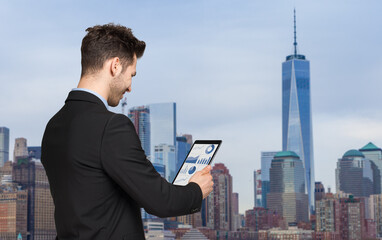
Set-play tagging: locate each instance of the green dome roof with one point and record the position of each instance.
(370, 147)
(353, 153)
(286, 154)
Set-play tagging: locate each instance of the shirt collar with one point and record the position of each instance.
(94, 93)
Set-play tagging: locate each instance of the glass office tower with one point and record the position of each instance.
(297, 114)
(162, 125)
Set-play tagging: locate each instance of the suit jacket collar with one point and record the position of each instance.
(84, 96)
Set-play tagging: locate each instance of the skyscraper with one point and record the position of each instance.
(219, 202)
(21, 150)
(140, 116)
(354, 174)
(266, 160)
(162, 125)
(165, 154)
(297, 113)
(374, 153)
(287, 187)
(4, 145)
(182, 149)
(257, 188)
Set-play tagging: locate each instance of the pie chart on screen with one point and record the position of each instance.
(192, 170)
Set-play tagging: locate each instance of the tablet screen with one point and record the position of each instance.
(199, 157)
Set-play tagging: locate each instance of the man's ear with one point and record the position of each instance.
(115, 66)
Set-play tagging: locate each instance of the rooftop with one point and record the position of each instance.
(370, 147)
(286, 154)
(353, 153)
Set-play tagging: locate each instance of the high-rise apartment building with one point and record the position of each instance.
(266, 160)
(327, 214)
(140, 116)
(287, 195)
(31, 176)
(375, 211)
(297, 114)
(354, 174)
(257, 188)
(13, 212)
(219, 202)
(4, 145)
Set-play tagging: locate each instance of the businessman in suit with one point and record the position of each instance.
(98, 173)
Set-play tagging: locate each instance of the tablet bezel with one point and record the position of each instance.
(218, 142)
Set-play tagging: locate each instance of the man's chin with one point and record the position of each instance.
(112, 104)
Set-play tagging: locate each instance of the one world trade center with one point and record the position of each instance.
(297, 114)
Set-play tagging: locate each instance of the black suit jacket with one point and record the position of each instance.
(99, 175)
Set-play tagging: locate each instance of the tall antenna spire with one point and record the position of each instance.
(295, 41)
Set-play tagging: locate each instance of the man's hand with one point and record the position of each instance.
(204, 179)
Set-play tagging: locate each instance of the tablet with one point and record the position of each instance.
(201, 154)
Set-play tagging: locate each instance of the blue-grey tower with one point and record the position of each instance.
(297, 113)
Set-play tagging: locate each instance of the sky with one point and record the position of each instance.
(220, 61)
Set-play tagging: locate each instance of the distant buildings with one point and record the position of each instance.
(344, 218)
(4, 145)
(13, 212)
(287, 188)
(259, 218)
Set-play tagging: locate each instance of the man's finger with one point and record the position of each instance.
(205, 170)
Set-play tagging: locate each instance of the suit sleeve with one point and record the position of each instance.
(125, 162)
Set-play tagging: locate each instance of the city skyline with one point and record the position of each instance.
(221, 64)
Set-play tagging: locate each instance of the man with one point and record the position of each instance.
(98, 173)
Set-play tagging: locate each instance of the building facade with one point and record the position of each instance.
(165, 154)
(354, 174)
(297, 133)
(374, 154)
(31, 176)
(140, 116)
(287, 195)
(162, 125)
(13, 212)
(266, 160)
(182, 149)
(4, 145)
(218, 208)
(257, 188)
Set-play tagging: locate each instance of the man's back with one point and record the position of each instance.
(98, 174)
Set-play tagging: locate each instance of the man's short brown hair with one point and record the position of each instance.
(103, 42)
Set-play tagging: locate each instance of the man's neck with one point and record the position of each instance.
(96, 84)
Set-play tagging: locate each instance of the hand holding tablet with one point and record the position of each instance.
(201, 154)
